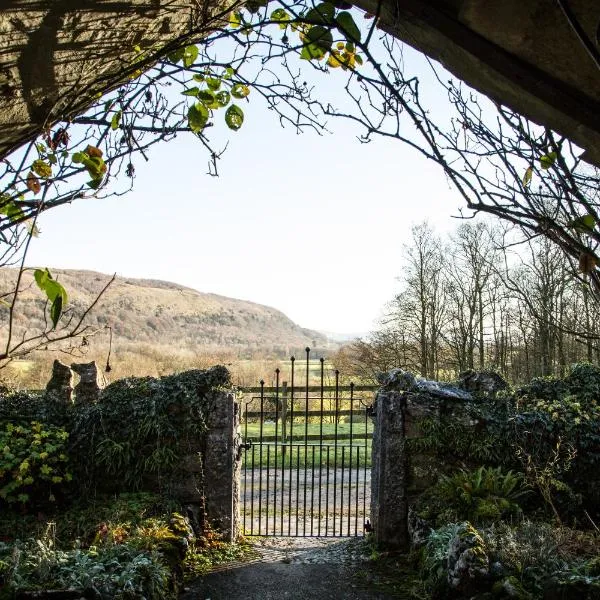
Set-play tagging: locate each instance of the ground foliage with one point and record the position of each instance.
(33, 461)
(518, 467)
(130, 546)
(528, 560)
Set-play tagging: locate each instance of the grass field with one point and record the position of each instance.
(299, 429)
(310, 456)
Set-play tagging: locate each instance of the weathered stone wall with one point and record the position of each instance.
(211, 472)
(399, 472)
(206, 478)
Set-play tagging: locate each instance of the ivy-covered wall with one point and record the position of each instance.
(174, 435)
(480, 452)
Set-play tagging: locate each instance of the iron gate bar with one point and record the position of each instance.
(322, 361)
(338, 511)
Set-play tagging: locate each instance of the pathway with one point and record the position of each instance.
(295, 569)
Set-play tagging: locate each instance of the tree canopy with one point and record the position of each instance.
(499, 162)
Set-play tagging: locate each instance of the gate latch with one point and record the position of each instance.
(245, 447)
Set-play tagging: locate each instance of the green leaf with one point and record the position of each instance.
(95, 183)
(41, 168)
(320, 37)
(234, 117)
(199, 77)
(56, 310)
(214, 83)
(197, 117)
(78, 157)
(190, 54)
(208, 99)
(527, 177)
(347, 26)
(191, 91)
(548, 160)
(95, 165)
(12, 211)
(235, 19)
(116, 120)
(312, 51)
(229, 72)
(223, 98)
(239, 90)
(322, 13)
(176, 55)
(54, 291)
(253, 6)
(583, 224)
(280, 16)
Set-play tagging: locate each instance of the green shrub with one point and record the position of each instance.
(539, 553)
(583, 381)
(485, 494)
(34, 466)
(119, 572)
(435, 556)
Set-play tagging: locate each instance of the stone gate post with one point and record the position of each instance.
(389, 505)
(222, 466)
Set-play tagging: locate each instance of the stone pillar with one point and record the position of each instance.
(400, 472)
(60, 386)
(90, 383)
(222, 466)
(389, 505)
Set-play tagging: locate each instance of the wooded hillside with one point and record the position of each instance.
(144, 311)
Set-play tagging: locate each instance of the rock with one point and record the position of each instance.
(397, 379)
(90, 383)
(418, 528)
(579, 588)
(468, 562)
(487, 383)
(405, 381)
(442, 390)
(60, 386)
(511, 588)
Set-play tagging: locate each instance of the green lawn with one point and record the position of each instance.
(298, 430)
(299, 456)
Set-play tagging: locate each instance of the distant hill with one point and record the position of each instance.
(161, 313)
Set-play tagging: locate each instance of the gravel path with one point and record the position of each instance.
(304, 502)
(294, 569)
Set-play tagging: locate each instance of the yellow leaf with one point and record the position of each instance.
(334, 61)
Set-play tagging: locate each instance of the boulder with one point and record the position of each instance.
(468, 561)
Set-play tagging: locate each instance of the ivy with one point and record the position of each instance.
(34, 465)
(140, 427)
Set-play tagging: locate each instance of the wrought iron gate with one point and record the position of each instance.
(306, 467)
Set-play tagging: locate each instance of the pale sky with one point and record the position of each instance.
(311, 225)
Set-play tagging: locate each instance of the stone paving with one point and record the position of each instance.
(294, 569)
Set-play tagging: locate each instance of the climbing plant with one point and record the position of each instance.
(143, 428)
(496, 160)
